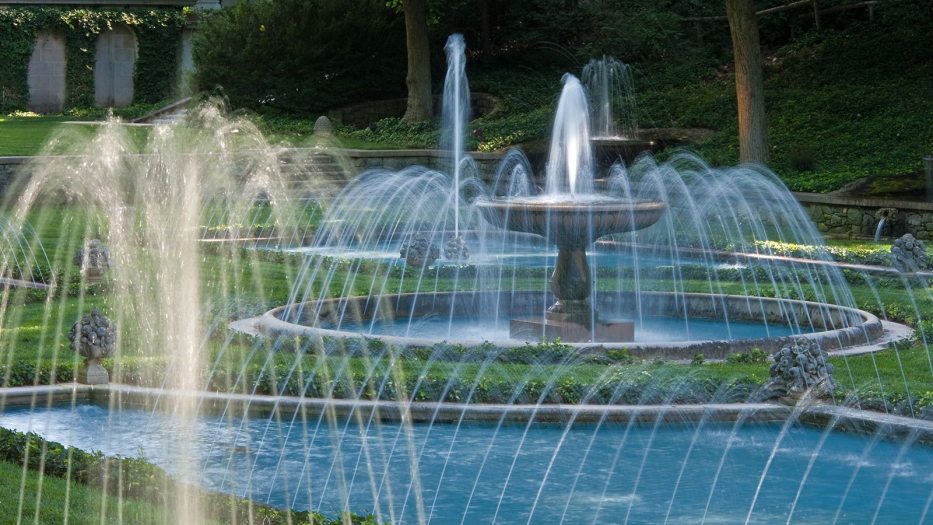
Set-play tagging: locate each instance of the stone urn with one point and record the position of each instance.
(909, 254)
(93, 338)
(419, 251)
(93, 259)
(800, 368)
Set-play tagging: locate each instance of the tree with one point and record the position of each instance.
(420, 104)
(749, 84)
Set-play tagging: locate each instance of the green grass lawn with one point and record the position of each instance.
(23, 136)
(29, 135)
(26, 496)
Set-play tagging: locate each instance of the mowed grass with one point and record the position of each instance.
(30, 497)
(23, 136)
(29, 135)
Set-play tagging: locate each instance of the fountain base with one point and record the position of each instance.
(92, 373)
(558, 325)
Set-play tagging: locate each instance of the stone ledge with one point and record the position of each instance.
(860, 202)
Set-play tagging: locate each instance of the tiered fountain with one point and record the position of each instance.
(613, 110)
(500, 293)
(571, 216)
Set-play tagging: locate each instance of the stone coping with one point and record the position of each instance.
(858, 328)
(803, 197)
(816, 414)
(861, 202)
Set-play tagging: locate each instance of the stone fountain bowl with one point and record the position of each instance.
(578, 222)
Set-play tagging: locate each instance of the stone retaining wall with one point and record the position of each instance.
(834, 215)
(362, 160)
(10, 169)
(857, 217)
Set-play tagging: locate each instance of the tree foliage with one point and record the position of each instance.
(302, 55)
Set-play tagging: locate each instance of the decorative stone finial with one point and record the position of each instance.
(323, 126)
(93, 338)
(456, 250)
(800, 367)
(419, 251)
(909, 254)
(94, 260)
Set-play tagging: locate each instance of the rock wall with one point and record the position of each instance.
(362, 160)
(857, 217)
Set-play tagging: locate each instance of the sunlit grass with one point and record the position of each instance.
(30, 497)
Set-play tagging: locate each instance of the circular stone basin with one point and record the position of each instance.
(477, 317)
(577, 220)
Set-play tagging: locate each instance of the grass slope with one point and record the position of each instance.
(29, 497)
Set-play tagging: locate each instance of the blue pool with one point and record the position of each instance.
(516, 473)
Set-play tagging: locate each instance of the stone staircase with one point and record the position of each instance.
(167, 114)
(313, 174)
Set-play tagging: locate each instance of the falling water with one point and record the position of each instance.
(570, 158)
(612, 94)
(456, 114)
(879, 228)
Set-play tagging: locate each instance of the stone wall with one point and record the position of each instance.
(834, 215)
(10, 169)
(856, 217)
(362, 160)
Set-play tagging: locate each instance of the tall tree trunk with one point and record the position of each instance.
(419, 62)
(749, 84)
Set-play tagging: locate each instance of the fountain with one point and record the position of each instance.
(612, 95)
(572, 220)
(410, 396)
(613, 108)
(682, 213)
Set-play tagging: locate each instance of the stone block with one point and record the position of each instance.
(538, 329)
(93, 374)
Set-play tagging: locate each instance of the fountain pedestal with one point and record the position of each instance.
(572, 226)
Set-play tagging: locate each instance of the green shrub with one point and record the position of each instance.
(302, 56)
(753, 356)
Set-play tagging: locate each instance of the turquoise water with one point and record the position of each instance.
(542, 473)
(649, 329)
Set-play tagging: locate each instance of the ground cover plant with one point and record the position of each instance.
(74, 486)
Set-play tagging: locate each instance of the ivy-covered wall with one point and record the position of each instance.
(158, 35)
